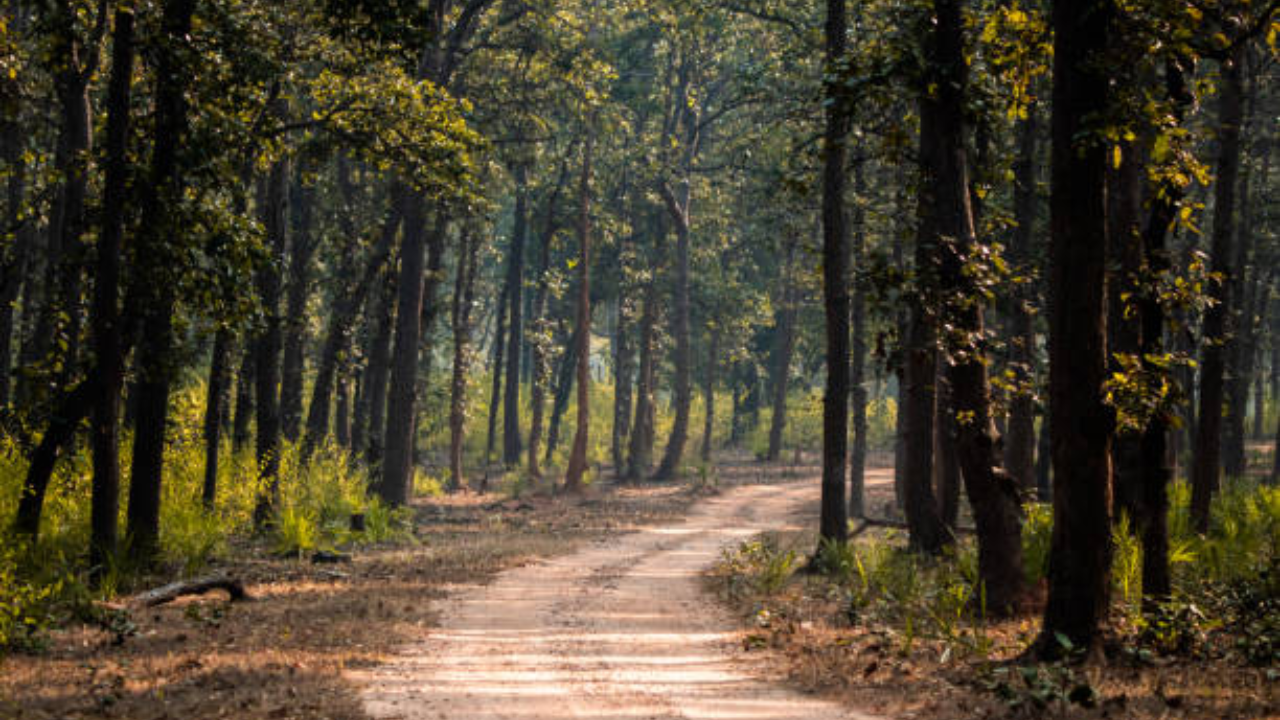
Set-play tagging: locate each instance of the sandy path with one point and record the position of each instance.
(620, 629)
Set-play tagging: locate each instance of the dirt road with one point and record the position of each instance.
(621, 629)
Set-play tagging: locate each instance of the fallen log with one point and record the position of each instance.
(197, 586)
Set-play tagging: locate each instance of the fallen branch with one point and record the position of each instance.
(198, 586)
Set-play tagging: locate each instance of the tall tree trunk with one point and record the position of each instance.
(539, 359)
(1124, 326)
(858, 348)
(578, 455)
(17, 263)
(245, 381)
(993, 496)
(1081, 423)
(683, 356)
(784, 348)
(925, 525)
(1020, 443)
(640, 450)
(1206, 466)
(515, 326)
(463, 299)
(295, 317)
(215, 411)
(397, 464)
(622, 372)
(564, 384)
(379, 369)
(709, 394)
(270, 342)
(1244, 293)
(105, 502)
(946, 467)
(156, 299)
(495, 395)
(834, 525)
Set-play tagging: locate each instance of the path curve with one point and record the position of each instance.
(619, 629)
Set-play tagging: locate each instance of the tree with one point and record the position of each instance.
(1080, 421)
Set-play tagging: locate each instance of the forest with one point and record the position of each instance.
(639, 358)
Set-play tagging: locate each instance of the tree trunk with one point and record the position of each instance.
(515, 326)
(17, 265)
(539, 359)
(683, 356)
(379, 368)
(269, 342)
(295, 318)
(920, 367)
(834, 525)
(858, 349)
(709, 394)
(946, 468)
(156, 300)
(105, 502)
(75, 406)
(1081, 423)
(245, 381)
(622, 372)
(397, 465)
(564, 384)
(215, 410)
(993, 496)
(495, 396)
(784, 349)
(463, 298)
(640, 450)
(1020, 443)
(1206, 466)
(578, 455)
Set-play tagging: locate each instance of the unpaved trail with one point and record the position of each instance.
(620, 629)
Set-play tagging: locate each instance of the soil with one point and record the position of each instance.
(618, 629)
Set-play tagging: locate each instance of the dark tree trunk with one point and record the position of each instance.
(107, 346)
(1124, 205)
(858, 348)
(16, 265)
(834, 525)
(946, 468)
(993, 496)
(295, 317)
(640, 450)
(925, 525)
(1206, 465)
(397, 465)
(560, 403)
(156, 300)
(622, 372)
(215, 411)
(1081, 423)
(785, 336)
(75, 406)
(245, 380)
(539, 359)
(582, 327)
(1020, 443)
(709, 394)
(678, 209)
(342, 412)
(463, 299)
(383, 318)
(515, 325)
(269, 343)
(495, 395)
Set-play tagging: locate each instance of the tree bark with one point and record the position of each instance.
(784, 349)
(495, 396)
(683, 356)
(463, 299)
(1020, 443)
(858, 348)
(833, 524)
(245, 381)
(107, 330)
(578, 455)
(295, 318)
(156, 301)
(538, 354)
(709, 394)
(270, 341)
(1206, 466)
(622, 372)
(215, 412)
(515, 325)
(397, 465)
(640, 451)
(1081, 423)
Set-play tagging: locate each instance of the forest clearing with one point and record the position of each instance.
(639, 358)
